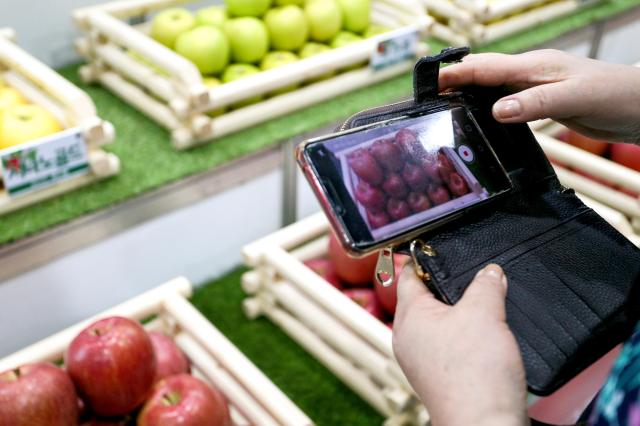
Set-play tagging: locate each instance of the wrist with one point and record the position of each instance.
(494, 419)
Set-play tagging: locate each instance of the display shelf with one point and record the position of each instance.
(82, 132)
(151, 168)
(177, 98)
(253, 398)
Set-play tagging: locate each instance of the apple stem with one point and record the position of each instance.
(171, 398)
(13, 375)
(95, 332)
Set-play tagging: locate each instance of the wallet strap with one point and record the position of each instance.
(427, 72)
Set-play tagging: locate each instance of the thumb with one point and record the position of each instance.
(487, 292)
(544, 101)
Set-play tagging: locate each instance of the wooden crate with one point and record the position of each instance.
(178, 100)
(478, 22)
(339, 333)
(620, 209)
(72, 107)
(253, 398)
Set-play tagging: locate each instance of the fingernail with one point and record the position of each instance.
(496, 273)
(507, 109)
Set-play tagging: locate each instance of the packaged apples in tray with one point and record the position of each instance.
(400, 181)
(213, 71)
(50, 134)
(114, 370)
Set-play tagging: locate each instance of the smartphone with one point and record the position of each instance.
(384, 184)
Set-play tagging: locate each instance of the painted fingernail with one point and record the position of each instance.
(507, 109)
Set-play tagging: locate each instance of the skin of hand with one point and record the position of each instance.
(463, 361)
(595, 98)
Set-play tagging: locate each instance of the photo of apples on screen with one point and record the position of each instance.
(412, 171)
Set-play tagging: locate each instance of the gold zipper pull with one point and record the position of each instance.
(385, 269)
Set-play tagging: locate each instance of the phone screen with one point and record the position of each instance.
(395, 177)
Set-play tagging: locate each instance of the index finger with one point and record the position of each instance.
(497, 69)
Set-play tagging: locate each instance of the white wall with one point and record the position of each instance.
(44, 27)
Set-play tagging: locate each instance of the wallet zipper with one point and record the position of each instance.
(385, 109)
(385, 267)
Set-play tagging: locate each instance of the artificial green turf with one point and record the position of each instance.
(148, 161)
(309, 385)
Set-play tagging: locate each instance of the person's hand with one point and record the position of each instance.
(594, 98)
(463, 361)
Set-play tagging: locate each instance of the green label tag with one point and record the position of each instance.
(395, 47)
(44, 162)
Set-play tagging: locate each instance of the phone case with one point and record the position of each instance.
(573, 279)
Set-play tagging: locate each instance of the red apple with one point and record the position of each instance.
(170, 360)
(388, 154)
(365, 166)
(370, 196)
(378, 219)
(356, 272)
(398, 209)
(107, 422)
(325, 269)
(387, 296)
(627, 155)
(113, 365)
(445, 168)
(408, 140)
(184, 400)
(418, 202)
(415, 177)
(366, 298)
(37, 394)
(431, 166)
(583, 142)
(438, 194)
(457, 185)
(395, 187)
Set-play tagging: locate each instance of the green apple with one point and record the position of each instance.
(24, 123)
(278, 59)
(375, 30)
(169, 24)
(249, 39)
(325, 19)
(288, 2)
(287, 27)
(10, 97)
(356, 14)
(207, 47)
(344, 38)
(214, 16)
(247, 7)
(212, 83)
(313, 49)
(236, 72)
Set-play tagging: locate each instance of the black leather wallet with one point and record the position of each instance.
(573, 292)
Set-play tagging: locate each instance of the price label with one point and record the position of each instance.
(395, 48)
(44, 162)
